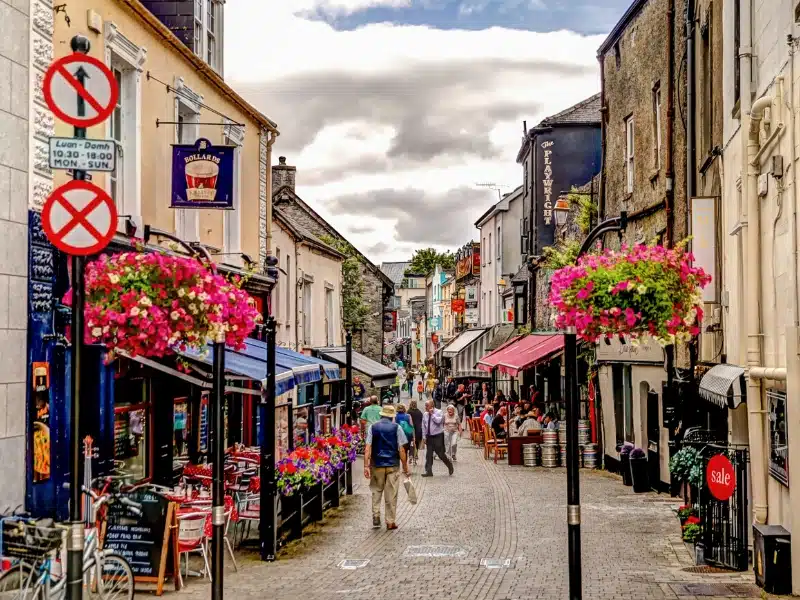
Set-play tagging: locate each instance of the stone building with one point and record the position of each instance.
(16, 74)
(378, 288)
(643, 173)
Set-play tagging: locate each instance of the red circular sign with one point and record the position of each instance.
(80, 76)
(79, 218)
(720, 477)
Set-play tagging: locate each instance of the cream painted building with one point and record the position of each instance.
(307, 300)
(168, 95)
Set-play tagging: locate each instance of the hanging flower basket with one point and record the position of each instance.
(149, 304)
(644, 290)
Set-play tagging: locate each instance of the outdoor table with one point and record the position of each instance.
(515, 444)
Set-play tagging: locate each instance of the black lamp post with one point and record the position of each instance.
(573, 410)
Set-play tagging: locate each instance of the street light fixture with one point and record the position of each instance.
(561, 210)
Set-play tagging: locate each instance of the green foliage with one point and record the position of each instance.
(561, 254)
(524, 330)
(354, 309)
(684, 512)
(587, 210)
(687, 465)
(425, 260)
(691, 533)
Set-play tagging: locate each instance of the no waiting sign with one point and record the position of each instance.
(80, 78)
(79, 218)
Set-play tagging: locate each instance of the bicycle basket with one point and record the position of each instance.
(29, 540)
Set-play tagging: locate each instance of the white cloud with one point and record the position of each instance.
(344, 7)
(395, 108)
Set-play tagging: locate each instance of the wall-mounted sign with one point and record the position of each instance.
(457, 305)
(720, 477)
(468, 261)
(202, 175)
(40, 421)
(389, 321)
(646, 350)
(471, 316)
(471, 293)
(476, 260)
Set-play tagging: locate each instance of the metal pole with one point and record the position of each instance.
(573, 475)
(218, 471)
(75, 539)
(267, 442)
(348, 403)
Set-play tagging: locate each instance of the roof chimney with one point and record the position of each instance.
(283, 174)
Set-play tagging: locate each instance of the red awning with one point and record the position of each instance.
(521, 354)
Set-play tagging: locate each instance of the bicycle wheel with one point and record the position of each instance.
(19, 583)
(112, 579)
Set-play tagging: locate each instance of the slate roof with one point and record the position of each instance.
(586, 111)
(302, 232)
(395, 271)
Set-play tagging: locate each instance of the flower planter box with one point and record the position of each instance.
(625, 469)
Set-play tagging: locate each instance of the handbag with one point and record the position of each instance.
(410, 490)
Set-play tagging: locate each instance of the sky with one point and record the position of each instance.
(393, 111)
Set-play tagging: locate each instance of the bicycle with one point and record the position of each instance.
(106, 574)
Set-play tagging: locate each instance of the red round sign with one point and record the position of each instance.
(85, 77)
(720, 477)
(79, 218)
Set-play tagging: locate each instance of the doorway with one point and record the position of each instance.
(653, 439)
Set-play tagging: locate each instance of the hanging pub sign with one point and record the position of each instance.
(471, 294)
(202, 175)
(389, 321)
(457, 305)
(476, 259)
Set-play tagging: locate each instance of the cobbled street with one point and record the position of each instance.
(632, 547)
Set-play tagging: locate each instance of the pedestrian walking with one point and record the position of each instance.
(383, 454)
(407, 425)
(433, 432)
(420, 390)
(452, 431)
(416, 419)
(371, 414)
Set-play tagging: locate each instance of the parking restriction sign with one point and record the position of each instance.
(80, 90)
(79, 218)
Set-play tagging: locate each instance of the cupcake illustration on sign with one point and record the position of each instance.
(202, 176)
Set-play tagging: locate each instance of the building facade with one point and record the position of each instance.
(16, 128)
(378, 288)
(500, 228)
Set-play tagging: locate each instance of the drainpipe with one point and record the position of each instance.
(691, 113)
(601, 200)
(670, 191)
(296, 297)
(751, 118)
(794, 223)
(272, 137)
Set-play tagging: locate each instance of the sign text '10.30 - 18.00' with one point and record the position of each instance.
(82, 154)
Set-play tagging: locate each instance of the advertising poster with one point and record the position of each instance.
(202, 175)
(40, 423)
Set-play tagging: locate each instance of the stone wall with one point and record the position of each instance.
(635, 66)
(14, 196)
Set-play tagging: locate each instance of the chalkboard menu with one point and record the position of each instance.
(147, 541)
(122, 442)
(204, 423)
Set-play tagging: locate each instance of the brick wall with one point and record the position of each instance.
(14, 193)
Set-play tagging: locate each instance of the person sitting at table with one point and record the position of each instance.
(549, 421)
(515, 422)
(488, 415)
(300, 428)
(499, 424)
(530, 424)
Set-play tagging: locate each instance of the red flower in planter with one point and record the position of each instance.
(692, 521)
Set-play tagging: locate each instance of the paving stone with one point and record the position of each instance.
(631, 545)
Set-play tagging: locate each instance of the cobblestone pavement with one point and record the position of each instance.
(515, 515)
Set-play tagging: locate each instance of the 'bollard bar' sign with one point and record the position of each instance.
(202, 175)
(81, 154)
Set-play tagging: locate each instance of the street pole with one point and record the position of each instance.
(348, 402)
(267, 442)
(79, 44)
(218, 470)
(573, 411)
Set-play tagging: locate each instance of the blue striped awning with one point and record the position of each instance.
(306, 369)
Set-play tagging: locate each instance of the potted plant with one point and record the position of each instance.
(638, 468)
(639, 290)
(624, 463)
(692, 530)
(685, 512)
(686, 465)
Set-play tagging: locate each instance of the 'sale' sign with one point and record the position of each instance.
(720, 477)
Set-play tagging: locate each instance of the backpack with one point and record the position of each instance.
(408, 429)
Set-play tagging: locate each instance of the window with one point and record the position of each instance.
(489, 249)
(707, 90)
(737, 40)
(307, 313)
(498, 241)
(329, 337)
(617, 54)
(490, 310)
(483, 255)
(276, 291)
(778, 440)
(289, 284)
(629, 147)
(115, 177)
(131, 422)
(657, 126)
(623, 402)
(207, 32)
(525, 178)
(232, 219)
(125, 59)
(187, 221)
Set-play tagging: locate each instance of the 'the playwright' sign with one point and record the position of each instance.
(202, 175)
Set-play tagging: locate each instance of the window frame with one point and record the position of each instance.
(657, 125)
(630, 152)
(232, 219)
(187, 131)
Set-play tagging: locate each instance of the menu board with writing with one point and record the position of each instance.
(147, 541)
(204, 423)
(122, 443)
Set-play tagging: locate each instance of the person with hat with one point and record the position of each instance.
(383, 454)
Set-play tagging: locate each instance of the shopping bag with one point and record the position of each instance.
(410, 490)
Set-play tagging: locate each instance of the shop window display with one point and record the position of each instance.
(131, 428)
(778, 441)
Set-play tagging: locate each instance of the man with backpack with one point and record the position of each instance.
(383, 454)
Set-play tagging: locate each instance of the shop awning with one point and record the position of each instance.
(724, 385)
(381, 375)
(306, 369)
(521, 354)
(465, 350)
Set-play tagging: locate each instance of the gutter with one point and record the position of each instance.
(691, 110)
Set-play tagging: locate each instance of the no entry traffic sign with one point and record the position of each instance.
(79, 218)
(80, 90)
(720, 477)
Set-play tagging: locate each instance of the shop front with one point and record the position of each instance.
(631, 380)
(461, 355)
